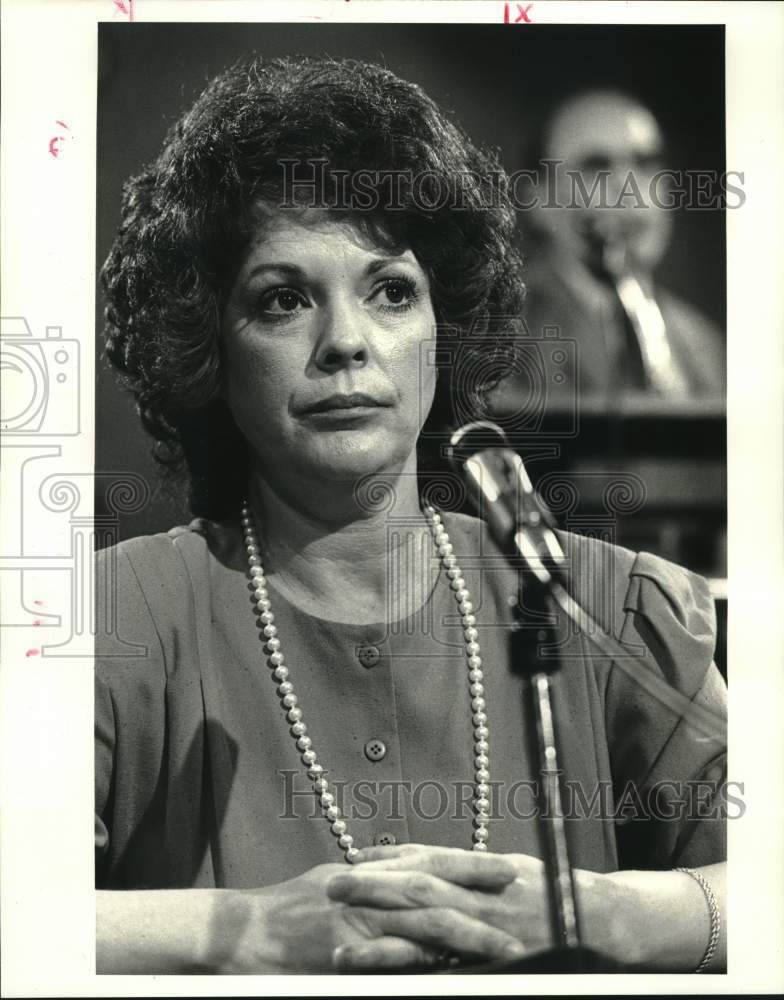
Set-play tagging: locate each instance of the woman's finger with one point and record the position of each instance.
(467, 868)
(393, 890)
(440, 927)
(384, 953)
(385, 852)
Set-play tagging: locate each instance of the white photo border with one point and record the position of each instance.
(49, 67)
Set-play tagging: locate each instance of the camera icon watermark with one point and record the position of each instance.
(40, 381)
(50, 532)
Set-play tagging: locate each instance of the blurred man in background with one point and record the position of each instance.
(593, 276)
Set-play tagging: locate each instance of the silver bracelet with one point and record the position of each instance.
(715, 916)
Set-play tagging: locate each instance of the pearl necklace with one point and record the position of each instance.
(289, 701)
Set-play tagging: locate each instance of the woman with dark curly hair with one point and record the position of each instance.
(315, 670)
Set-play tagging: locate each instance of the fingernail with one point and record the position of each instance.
(347, 956)
(341, 956)
(515, 949)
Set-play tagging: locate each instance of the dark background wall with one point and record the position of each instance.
(500, 81)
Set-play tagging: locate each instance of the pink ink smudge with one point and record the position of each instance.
(120, 5)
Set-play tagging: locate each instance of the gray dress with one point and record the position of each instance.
(199, 781)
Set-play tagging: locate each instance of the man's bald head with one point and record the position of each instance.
(601, 128)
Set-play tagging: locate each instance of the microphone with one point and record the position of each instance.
(500, 487)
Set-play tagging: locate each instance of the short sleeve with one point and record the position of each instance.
(669, 775)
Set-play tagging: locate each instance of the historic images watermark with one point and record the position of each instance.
(311, 183)
(365, 799)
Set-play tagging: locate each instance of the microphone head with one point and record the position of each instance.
(475, 437)
(504, 496)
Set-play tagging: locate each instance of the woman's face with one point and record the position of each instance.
(321, 352)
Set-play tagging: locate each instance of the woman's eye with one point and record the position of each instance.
(397, 293)
(281, 301)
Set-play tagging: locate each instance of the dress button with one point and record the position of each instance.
(384, 839)
(368, 655)
(375, 750)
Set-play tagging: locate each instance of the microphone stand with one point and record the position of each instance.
(532, 630)
(526, 644)
(527, 638)
(530, 633)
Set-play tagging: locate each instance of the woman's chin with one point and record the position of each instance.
(346, 457)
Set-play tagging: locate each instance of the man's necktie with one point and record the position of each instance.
(650, 349)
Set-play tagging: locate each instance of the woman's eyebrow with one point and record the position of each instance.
(278, 266)
(381, 262)
(297, 271)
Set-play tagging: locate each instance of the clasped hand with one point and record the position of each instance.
(405, 906)
(432, 899)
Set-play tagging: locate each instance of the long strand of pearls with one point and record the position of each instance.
(475, 676)
(289, 701)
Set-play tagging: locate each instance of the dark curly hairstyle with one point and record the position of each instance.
(188, 217)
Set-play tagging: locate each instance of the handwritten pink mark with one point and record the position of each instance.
(38, 622)
(53, 147)
(124, 7)
(33, 652)
(522, 13)
(39, 604)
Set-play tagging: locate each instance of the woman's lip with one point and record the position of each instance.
(345, 414)
(337, 403)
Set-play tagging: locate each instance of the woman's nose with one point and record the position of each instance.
(343, 340)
